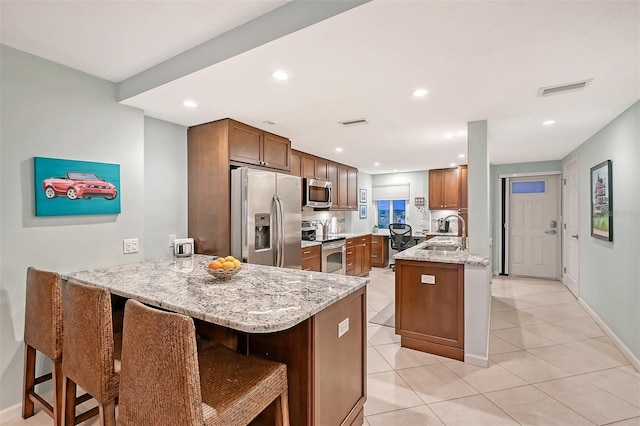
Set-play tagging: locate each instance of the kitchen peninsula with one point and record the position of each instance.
(443, 300)
(313, 322)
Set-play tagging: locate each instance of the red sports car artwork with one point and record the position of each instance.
(78, 185)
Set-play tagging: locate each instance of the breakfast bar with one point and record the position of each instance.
(311, 321)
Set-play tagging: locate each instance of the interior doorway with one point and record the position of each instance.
(570, 235)
(532, 226)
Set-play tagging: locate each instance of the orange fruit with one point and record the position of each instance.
(227, 265)
(215, 265)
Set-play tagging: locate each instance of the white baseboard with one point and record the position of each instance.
(476, 360)
(11, 413)
(611, 335)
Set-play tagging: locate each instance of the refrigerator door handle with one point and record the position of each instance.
(280, 262)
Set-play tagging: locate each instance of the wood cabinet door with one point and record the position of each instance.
(358, 260)
(245, 143)
(436, 186)
(332, 176)
(352, 192)
(451, 189)
(276, 152)
(308, 166)
(366, 256)
(343, 187)
(322, 168)
(296, 163)
(311, 264)
(430, 312)
(463, 185)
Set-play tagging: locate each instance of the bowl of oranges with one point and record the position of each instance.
(223, 268)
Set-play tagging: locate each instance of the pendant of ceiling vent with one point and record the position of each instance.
(357, 122)
(564, 88)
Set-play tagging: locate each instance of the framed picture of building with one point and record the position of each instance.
(601, 201)
(69, 187)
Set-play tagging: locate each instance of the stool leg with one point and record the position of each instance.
(282, 410)
(29, 381)
(68, 402)
(107, 413)
(56, 369)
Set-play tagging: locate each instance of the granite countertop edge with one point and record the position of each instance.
(418, 253)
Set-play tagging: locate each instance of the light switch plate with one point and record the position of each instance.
(130, 245)
(343, 327)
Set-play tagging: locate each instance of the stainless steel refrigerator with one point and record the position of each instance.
(265, 217)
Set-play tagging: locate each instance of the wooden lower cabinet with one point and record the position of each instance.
(430, 307)
(310, 257)
(379, 251)
(326, 372)
(358, 256)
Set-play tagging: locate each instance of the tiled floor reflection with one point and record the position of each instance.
(550, 364)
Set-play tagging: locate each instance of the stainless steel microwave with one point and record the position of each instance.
(318, 193)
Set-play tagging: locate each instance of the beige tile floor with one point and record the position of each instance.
(550, 364)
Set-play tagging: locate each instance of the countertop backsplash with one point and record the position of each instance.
(338, 220)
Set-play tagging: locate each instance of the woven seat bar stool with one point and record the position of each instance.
(43, 333)
(90, 356)
(165, 381)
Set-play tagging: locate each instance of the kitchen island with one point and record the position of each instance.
(443, 300)
(313, 322)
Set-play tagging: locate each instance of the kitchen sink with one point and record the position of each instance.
(442, 247)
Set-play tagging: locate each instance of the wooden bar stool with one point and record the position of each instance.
(90, 357)
(165, 381)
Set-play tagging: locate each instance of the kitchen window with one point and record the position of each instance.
(391, 211)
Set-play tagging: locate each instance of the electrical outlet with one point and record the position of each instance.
(130, 245)
(172, 239)
(343, 327)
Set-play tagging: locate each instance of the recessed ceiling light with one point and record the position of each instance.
(376, 164)
(461, 156)
(452, 165)
(419, 93)
(338, 149)
(549, 123)
(448, 135)
(280, 75)
(190, 104)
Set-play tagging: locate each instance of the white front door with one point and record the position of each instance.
(570, 237)
(534, 226)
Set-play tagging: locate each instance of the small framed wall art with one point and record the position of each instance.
(363, 196)
(601, 201)
(69, 187)
(363, 212)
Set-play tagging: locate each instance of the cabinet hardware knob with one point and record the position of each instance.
(306, 252)
(374, 255)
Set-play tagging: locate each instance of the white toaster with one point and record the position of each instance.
(183, 247)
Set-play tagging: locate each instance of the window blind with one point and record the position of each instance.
(390, 192)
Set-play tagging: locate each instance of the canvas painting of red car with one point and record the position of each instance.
(71, 187)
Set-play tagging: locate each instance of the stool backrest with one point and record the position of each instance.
(43, 312)
(88, 340)
(160, 378)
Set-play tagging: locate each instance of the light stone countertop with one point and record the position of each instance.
(305, 243)
(259, 299)
(461, 256)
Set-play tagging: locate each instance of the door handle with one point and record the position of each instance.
(575, 236)
(551, 232)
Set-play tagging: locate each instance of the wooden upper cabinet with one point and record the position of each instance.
(296, 163)
(352, 188)
(254, 146)
(463, 182)
(276, 152)
(343, 187)
(332, 176)
(322, 168)
(245, 143)
(444, 191)
(308, 166)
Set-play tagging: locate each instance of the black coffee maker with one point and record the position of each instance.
(443, 225)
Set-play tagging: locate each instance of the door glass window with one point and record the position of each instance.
(529, 187)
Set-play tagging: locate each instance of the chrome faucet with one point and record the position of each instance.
(464, 229)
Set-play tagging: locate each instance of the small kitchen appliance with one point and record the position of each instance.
(183, 247)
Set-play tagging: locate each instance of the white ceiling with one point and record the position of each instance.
(478, 60)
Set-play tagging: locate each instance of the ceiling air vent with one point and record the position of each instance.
(563, 88)
(357, 122)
